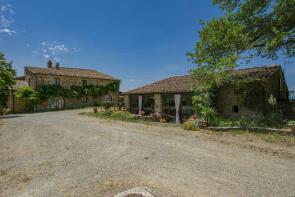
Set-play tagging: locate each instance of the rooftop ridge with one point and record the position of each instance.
(183, 83)
(70, 71)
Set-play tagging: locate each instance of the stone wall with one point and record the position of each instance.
(227, 98)
(66, 82)
(158, 105)
(126, 102)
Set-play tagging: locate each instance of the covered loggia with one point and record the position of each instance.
(142, 104)
(177, 107)
(172, 107)
(169, 98)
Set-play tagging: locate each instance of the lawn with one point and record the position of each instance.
(284, 139)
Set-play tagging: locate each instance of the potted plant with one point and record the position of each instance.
(142, 113)
(95, 108)
(203, 123)
(291, 124)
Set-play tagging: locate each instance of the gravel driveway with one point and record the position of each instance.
(66, 154)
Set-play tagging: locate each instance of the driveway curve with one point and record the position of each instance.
(66, 154)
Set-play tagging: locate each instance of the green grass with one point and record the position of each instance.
(274, 137)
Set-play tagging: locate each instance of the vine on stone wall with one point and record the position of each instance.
(50, 91)
(250, 91)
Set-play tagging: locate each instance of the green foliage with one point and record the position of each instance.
(273, 120)
(116, 115)
(190, 125)
(246, 87)
(205, 86)
(247, 29)
(7, 73)
(50, 91)
(7, 79)
(28, 95)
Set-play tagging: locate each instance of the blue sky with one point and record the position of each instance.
(138, 41)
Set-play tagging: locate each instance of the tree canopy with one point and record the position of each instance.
(7, 73)
(248, 28)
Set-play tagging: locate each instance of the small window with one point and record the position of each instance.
(84, 82)
(108, 98)
(57, 81)
(84, 99)
(30, 81)
(235, 109)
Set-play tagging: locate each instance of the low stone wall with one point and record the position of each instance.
(66, 103)
(253, 129)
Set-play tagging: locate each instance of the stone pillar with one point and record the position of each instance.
(127, 102)
(139, 105)
(177, 98)
(158, 105)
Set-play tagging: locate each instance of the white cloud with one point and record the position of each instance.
(6, 18)
(46, 56)
(51, 50)
(8, 31)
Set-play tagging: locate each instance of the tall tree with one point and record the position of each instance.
(248, 28)
(7, 78)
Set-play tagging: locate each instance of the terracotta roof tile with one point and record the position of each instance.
(182, 84)
(71, 72)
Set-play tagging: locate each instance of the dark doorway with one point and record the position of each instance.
(133, 104)
(148, 104)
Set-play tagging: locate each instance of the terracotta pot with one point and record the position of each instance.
(95, 110)
(203, 124)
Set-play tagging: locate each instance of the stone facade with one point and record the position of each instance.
(126, 102)
(158, 104)
(230, 104)
(35, 79)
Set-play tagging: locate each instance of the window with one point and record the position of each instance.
(84, 99)
(107, 98)
(57, 81)
(84, 82)
(30, 81)
(235, 109)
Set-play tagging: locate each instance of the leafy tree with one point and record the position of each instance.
(7, 78)
(28, 95)
(248, 28)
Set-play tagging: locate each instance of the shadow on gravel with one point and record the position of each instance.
(10, 116)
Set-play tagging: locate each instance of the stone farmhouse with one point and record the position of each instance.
(171, 98)
(64, 77)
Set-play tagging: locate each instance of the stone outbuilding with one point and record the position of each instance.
(171, 98)
(65, 77)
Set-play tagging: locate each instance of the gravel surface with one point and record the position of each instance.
(66, 154)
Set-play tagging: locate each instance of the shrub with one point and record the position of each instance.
(116, 115)
(122, 115)
(28, 95)
(190, 125)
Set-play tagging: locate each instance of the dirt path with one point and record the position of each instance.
(66, 154)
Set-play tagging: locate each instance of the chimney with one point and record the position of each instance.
(57, 65)
(49, 64)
